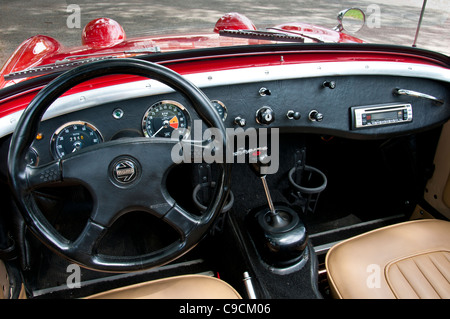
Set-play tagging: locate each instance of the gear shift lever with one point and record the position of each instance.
(275, 219)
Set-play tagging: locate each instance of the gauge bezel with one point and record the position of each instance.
(64, 126)
(225, 110)
(181, 107)
(33, 151)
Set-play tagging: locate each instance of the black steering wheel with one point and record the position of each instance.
(144, 161)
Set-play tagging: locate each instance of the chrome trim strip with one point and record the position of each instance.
(353, 226)
(323, 249)
(79, 101)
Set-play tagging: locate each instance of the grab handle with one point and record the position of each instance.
(417, 94)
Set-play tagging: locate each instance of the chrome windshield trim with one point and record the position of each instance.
(83, 100)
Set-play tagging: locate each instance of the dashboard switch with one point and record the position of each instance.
(240, 121)
(329, 84)
(264, 91)
(265, 115)
(292, 115)
(315, 116)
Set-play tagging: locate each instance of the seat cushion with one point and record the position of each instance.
(406, 260)
(180, 287)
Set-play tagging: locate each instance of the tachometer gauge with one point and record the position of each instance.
(74, 136)
(221, 109)
(163, 117)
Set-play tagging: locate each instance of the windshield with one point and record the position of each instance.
(387, 21)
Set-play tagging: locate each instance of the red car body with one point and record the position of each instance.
(104, 36)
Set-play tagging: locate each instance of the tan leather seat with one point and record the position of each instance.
(406, 260)
(181, 287)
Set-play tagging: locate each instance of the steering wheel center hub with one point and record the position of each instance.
(124, 171)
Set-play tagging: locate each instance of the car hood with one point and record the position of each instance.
(104, 38)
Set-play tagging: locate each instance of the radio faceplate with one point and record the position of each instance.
(378, 115)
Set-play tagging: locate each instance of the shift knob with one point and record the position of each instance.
(257, 160)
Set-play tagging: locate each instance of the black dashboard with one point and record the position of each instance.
(318, 105)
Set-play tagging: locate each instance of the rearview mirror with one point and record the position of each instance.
(351, 20)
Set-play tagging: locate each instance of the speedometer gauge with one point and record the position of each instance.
(163, 117)
(74, 136)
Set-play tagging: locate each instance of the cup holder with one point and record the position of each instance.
(206, 189)
(308, 182)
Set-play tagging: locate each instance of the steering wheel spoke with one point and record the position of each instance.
(43, 175)
(85, 246)
(181, 221)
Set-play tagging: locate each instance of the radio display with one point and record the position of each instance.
(384, 116)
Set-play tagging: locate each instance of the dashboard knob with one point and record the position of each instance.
(264, 91)
(315, 116)
(240, 121)
(265, 115)
(329, 84)
(293, 115)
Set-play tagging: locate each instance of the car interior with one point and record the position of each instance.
(330, 176)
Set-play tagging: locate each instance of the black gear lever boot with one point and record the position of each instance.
(279, 234)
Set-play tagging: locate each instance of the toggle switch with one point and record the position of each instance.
(329, 84)
(292, 115)
(240, 121)
(315, 116)
(264, 91)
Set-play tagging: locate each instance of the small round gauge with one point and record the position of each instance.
(32, 157)
(163, 117)
(221, 109)
(74, 136)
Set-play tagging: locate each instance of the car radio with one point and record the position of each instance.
(377, 115)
